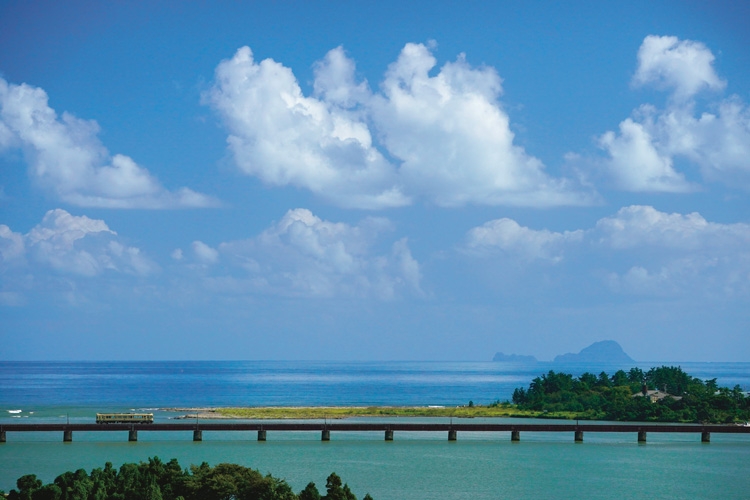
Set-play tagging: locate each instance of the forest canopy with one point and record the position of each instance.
(663, 394)
(156, 480)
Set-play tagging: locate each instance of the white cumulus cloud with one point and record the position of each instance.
(638, 250)
(303, 255)
(12, 246)
(639, 163)
(283, 137)
(686, 66)
(66, 158)
(71, 245)
(442, 138)
(638, 226)
(718, 141)
(672, 253)
(511, 238)
(643, 155)
(204, 253)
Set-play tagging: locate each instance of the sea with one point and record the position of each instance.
(413, 466)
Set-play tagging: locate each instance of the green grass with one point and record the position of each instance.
(339, 412)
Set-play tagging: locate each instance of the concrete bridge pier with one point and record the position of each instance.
(132, 435)
(452, 435)
(325, 435)
(705, 437)
(579, 437)
(515, 436)
(389, 435)
(67, 436)
(641, 436)
(261, 435)
(197, 435)
(2, 436)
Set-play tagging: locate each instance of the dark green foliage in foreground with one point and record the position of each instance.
(155, 480)
(614, 398)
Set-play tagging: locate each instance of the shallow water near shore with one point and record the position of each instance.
(413, 466)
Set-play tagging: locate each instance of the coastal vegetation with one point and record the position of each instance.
(663, 394)
(156, 480)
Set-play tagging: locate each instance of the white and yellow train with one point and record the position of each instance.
(124, 418)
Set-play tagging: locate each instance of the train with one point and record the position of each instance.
(124, 418)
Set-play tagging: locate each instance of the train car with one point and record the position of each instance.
(124, 418)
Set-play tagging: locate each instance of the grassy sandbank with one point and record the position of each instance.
(340, 412)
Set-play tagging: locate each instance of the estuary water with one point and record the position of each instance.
(413, 466)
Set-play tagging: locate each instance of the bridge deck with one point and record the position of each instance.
(384, 426)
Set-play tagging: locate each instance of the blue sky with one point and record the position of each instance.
(383, 181)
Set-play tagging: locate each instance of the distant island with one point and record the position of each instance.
(606, 351)
(514, 358)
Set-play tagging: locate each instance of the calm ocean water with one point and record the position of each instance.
(418, 466)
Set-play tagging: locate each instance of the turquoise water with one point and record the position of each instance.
(605, 466)
(414, 466)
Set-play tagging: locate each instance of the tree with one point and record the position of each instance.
(519, 396)
(26, 485)
(155, 480)
(603, 380)
(636, 376)
(335, 491)
(613, 398)
(670, 378)
(309, 493)
(48, 492)
(348, 493)
(588, 380)
(620, 378)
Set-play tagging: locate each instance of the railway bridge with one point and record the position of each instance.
(387, 428)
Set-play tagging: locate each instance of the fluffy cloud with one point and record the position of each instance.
(642, 155)
(303, 255)
(453, 138)
(66, 157)
(203, 253)
(638, 250)
(11, 245)
(283, 137)
(676, 253)
(686, 252)
(71, 245)
(638, 226)
(638, 162)
(507, 236)
(685, 66)
(718, 142)
(442, 138)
